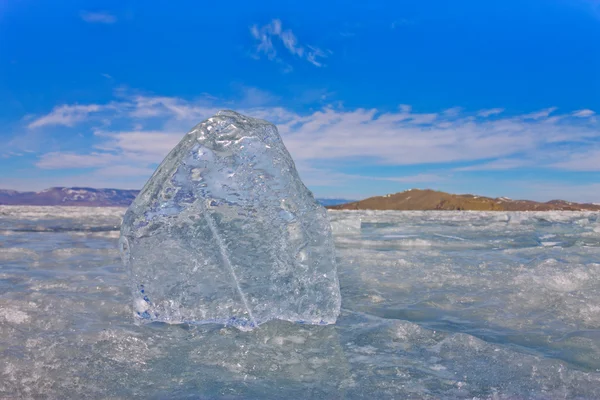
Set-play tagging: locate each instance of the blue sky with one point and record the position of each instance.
(494, 98)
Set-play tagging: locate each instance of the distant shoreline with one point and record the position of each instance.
(89, 197)
(410, 200)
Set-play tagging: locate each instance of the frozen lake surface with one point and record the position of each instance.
(434, 305)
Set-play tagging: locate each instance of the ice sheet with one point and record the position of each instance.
(484, 311)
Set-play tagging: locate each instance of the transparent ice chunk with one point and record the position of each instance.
(226, 232)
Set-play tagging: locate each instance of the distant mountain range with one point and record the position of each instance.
(416, 199)
(78, 196)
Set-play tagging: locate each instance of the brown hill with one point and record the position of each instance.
(416, 199)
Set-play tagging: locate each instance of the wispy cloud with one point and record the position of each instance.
(583, 113)
(540, 114)
(133, 107)
(139, 146)
(489, 112)
(269, 35)
(135, 132)
(254, 97)
(498, 165)
(98, 17)
(160, 106)
(453, 112)
(67, 115)
(419, 178)
(63, 160)
(103, 163)
(314, 54)
(10, 154)
(584, 161)
(328, 177)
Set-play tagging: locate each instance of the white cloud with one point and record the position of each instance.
(10, 154)
(152, 125)
(142, 146)
(489, 112)
(125, 170)
(67, 115)
(63, 160)
(160, 106)
(130, 106)
(498, 165)
(398, 138)
(291, 43)
(409, 138)
(273, 31)
(263, 35)
(419, 178)
(254, 97)
(588, 160)
(452, 112)
(540, 114)
(98, 17)
(328, 177)
(583, 113)
(313, 54)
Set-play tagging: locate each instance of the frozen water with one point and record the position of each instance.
(225, 231)
(436, 305)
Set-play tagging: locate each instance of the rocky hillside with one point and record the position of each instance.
(416, 199)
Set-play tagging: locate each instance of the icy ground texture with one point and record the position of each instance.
(436, 305)
(225, 231)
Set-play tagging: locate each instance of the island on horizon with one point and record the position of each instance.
(427, 199)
